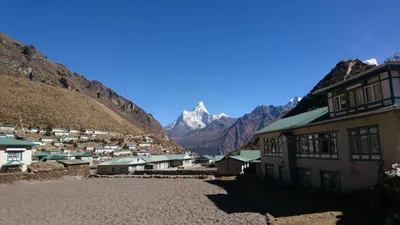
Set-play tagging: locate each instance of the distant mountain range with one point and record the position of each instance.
(204, 133)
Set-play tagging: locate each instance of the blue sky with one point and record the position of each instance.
(233, 55)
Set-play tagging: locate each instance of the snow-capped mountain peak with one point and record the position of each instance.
(371, 62)
(295, 99)
(198, 118)
(219, 116)
(200, 107)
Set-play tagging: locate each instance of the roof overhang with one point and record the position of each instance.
(354, 116)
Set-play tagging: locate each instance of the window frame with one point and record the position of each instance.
(337, 181)
(317, 143)
(273, 147)
(304, 171)
(12, 158)
(359, 154)
(371, 86)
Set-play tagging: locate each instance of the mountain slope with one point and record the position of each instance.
(44, 105)
(20, 60)
(188, 121)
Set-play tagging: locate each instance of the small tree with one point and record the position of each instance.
(75, 145)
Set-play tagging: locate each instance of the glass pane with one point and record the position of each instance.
(369, 96)
(324, 146)
(298, 146)
(304, 146)
(373, 130)
(315, 135)
(360, 96)
(333, 134)
(375, 147)
(342, 101)
(364, 144)
(353, 132)
(336, 103)
(353, 145)
(377, 92)
(311, 146)
(352, 99)
(316, 146)
(363, 130)
(309, 136)
(333, 146)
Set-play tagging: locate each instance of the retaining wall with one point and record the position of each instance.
(175, 172)
(6, 178)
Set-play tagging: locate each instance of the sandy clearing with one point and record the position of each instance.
(116, 201)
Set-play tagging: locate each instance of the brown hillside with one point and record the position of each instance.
(44, 105)
(20, 60)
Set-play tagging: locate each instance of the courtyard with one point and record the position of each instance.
(170, 201)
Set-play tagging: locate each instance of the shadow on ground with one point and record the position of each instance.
(258, 197)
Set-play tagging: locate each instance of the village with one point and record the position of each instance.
(349, 146)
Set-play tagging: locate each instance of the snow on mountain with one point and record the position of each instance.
(371, 62)
(198, 118)
(219, 116)
(295, 100)
(395, 58)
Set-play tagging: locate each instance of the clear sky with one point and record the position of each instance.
(234, 55)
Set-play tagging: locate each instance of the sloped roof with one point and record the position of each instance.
(214, 157)
(73, 162)
(15, 142)
(244, 156)
(144, 159)
(295, 121)
(247, 155)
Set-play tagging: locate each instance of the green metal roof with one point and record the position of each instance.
(73, 162)
(14, 142)
(247, 155)
(295, 121)
(123, 161)
(213, 157)
(144, 159)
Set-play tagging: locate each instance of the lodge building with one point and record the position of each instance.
(345, 145)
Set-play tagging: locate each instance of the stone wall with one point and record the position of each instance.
(207, 177)
(6, 178)
(175, 172)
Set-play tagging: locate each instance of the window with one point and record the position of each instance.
(330, 181)
(320, 145)
(272, 147)
(339, 102)
(372, 92)
(355, 97)
(14, 156)
(364, 143)
(269, 170)
(304, 177)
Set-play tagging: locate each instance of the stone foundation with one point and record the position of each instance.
(208, 177)
(175, 172)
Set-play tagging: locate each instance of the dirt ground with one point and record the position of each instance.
(168, 201)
